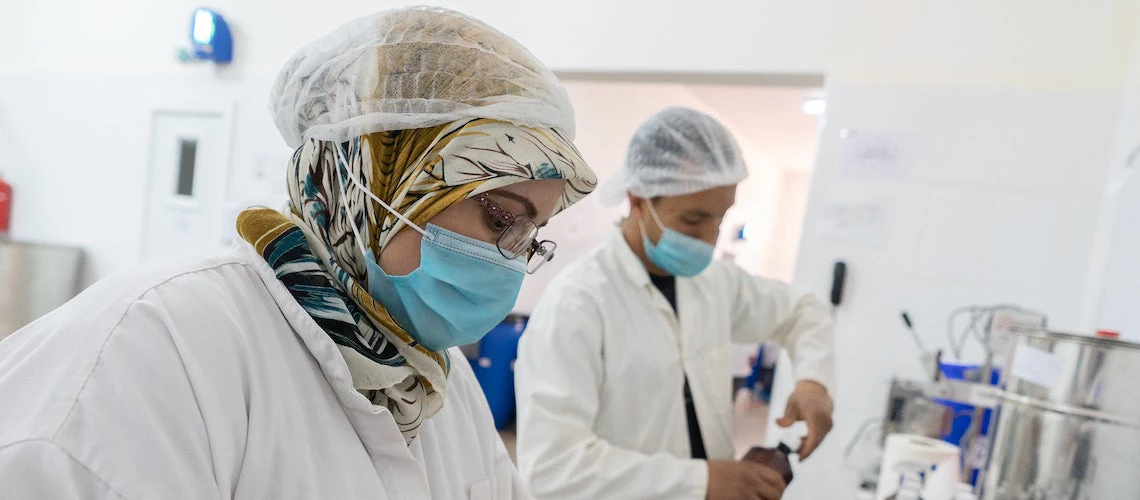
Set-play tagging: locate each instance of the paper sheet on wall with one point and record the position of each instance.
(1006, 320)
(883, 155)
(858, 223)
(1037, 366)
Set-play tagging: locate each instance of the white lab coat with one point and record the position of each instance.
(211, 382)
(601, 366)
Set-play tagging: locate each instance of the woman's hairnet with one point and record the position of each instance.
(413, 68)
(677, 151)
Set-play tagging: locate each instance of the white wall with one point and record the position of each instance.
(1113, 284)
(1053, 43)
(1012, 106)
(788, 229)
(76, 149)
(1119, 290)
(93, 73)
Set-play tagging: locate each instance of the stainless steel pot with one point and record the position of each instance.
(34, 279)
(1069, 421)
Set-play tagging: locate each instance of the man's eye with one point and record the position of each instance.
(691, 222)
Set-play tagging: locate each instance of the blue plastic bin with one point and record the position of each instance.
(495, 368)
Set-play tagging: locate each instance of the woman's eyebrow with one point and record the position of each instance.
(531, 211)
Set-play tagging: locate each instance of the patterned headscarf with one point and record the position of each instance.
(420, 173)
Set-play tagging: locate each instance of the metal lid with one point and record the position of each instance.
(1039, 333)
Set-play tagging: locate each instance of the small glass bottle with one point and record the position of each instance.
(773, 458)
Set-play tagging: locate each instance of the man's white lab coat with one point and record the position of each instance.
(601, 366)
(211, 382)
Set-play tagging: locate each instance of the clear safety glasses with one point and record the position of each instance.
(519, 236)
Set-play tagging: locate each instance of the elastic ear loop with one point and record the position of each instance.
(344, 201)
(391, 210)
(643, 233)
(342, 163)
(656, 219)
(653, 212)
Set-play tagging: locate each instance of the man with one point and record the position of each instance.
(624, 376)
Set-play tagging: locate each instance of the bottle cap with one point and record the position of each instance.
(783, 447)
(1108, 334)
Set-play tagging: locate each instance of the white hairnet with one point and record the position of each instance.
(677, 151)
(411, 68)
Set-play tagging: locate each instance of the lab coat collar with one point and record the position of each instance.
(372, 423)
(315, 339)
(626, 260)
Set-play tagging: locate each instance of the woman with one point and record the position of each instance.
(314, 360)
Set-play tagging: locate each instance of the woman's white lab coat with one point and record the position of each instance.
(212, 382)
(600, 373)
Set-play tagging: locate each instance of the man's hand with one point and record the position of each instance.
(809, 403)
(732, 480)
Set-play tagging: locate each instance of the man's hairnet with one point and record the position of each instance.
(413, 68)
(677, 151)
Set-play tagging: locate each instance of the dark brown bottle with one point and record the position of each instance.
(772, 458)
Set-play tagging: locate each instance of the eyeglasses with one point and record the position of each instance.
(518, 236)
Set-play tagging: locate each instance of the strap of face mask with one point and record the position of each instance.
(644, 234)
(341, 161)
(653, 212)
(339, 158)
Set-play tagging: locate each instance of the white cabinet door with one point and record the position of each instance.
(187, 184)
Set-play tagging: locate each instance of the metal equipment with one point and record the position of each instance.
(910, 410)
(34, 279)
(1069, 420)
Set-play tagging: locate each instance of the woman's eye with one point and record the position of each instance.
(691, 222)
(497, 224)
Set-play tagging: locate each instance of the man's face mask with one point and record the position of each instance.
(676, 253)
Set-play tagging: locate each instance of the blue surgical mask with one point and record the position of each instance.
(462, 289)
(676, 253)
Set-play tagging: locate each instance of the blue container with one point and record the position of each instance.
(495, 368)
(963, 413)
(761, 379)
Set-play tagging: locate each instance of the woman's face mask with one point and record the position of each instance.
(462, 288)
(675, 253)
